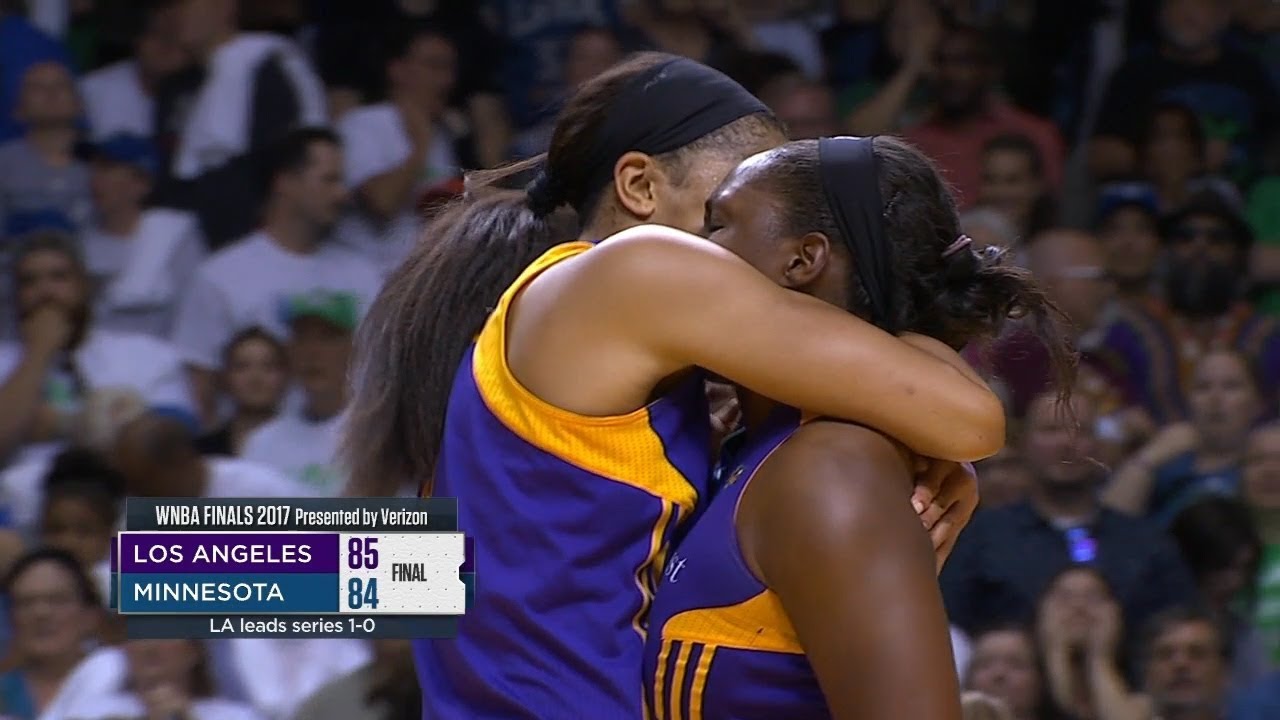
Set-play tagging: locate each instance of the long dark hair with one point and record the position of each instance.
(430, 310)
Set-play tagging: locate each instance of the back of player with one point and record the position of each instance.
(558, 621)
(720, 644)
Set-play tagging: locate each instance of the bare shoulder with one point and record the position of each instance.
(654, 248)
(848, 450)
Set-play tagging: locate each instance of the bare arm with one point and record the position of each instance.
(865, 603)
(653, 301)
(21, 393)
(1130, 490)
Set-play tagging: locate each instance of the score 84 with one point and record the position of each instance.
(362, 554)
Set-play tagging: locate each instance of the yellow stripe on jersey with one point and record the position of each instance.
(650, 570)
(660, 682)
(700, 681)
(677, 677)
(758, 623)
(622, 448)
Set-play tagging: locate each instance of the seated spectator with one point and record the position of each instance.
(1221, 547)
(159, 458)
(139, 259)
(1186, 461)
(276, 675)
(254, 377)
(713, 33)
(215, 124)
(1006, 665)
(881, 59)
(120, 98)
(1172, 155)
(22, 45)
(1186, 666)
(1006, 556)
(81, 510)
(244, 284)
(1127, 226)
(397, 149)
(1082, 636)
(1013, 182)
(807, 107)
(64, 361)
(303, 444)
(53, 612)
(1261, 484)
(165, 679)
(384, 689)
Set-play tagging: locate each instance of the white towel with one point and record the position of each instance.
(218, 128)
(146, 280)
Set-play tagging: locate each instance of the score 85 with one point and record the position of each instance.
(362, 554)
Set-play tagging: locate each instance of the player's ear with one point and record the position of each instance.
(808, 257)
(634, 184)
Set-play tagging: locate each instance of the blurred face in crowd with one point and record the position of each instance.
(256, 376)
(1057, 452)
(1170, 155)
(1003, 665)
(1204, 279)
(427, 72)
(136, 457)
(591, 52)
(1131, 244)
(1072, 267)
(160, 51)
(1010, 184)
(204, 23)
(48, 97)
(1073, 601)
(1224, 401)
(319, 354)
(1194, 25)
(117, 187)
(50, 277)
(1262, 468)
(1003, 479)
(161, 662)
(1185, 670)
(808, 110)
(964, 74)
(316, 191)
(72, 523)
(907, 20)
(50, 618)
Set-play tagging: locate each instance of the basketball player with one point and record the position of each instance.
(807, 589)
(576, 435)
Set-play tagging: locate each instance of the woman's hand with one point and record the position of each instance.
(945, 497)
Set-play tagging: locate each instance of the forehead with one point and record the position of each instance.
(44, 259)
(742, 178)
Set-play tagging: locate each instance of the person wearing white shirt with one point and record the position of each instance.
(119, 97)
(245, 284)
(396, 150)
(63, 360)
(303, 444)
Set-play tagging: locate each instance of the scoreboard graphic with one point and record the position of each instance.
(348, 567)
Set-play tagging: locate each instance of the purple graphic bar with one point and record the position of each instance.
(228, 553)
(115, 559)
(469, 558)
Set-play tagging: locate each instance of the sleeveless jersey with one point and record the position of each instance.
(571, 517)
(720, 646)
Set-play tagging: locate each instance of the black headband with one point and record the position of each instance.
(852, 186)
(662, 109)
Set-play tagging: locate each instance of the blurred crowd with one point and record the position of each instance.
(200, 198)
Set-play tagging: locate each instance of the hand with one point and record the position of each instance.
(726, 413)
(1104, 630)
(1051, 627)
(46, 330)
(164, 702)
(945, 496)
(926, 34)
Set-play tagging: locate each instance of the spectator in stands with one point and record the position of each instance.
(806, 106)
(82, 501)
(1126, 223)
(254, 88)
(1185, 461)
(1221, 547)
(1173, 156)
(1228, 89)
(50, 377)
(1081, 631)
(384, 689)
(303, 444)
(1156, 347)
(397, 149)
(119, 99)
(158, 457)
(1013, 182)
(1262, 491)
(254, 378)
(1185, 667)
(966, 113)
(1007, 556)
(276, 675)
(39, 171)
(244, 285)
(1006, 665)
(713, 33)
(53, 611)
(22, 45)
(1004, 479)
(990, 227)
(165, 679)
(139, 259)
(880, 71)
